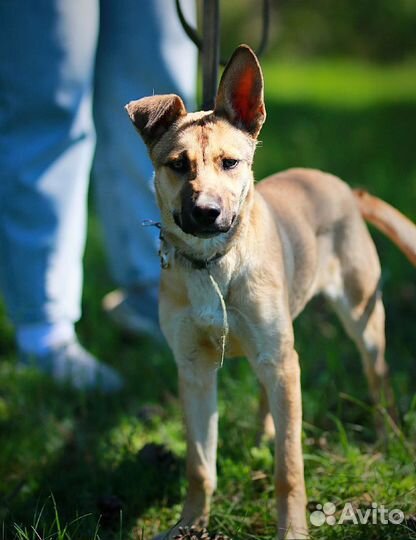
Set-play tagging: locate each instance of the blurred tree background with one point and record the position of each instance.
(376, 30)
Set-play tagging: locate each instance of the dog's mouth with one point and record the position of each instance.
(188, 226)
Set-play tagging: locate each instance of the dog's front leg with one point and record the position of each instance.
(280, 373)
(198, 390)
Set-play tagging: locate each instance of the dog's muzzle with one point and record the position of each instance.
(204, 219)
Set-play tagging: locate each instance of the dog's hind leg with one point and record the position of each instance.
(358, 303)
(364, 323)
(266, 430)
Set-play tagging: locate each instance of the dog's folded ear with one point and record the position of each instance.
(154, 115)
(240, 94)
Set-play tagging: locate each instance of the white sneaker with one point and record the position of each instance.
(70, 363)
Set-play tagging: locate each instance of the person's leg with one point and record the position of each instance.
(142, 50)
(46, 144)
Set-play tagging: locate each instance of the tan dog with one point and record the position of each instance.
(265, 250)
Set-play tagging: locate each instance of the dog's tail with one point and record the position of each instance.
(389, 221)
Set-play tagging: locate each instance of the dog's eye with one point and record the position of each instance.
(180, 165)
(229, 163)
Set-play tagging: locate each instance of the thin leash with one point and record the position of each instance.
(164, 254)
(225, 327)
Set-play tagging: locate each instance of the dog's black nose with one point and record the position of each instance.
(206, 214)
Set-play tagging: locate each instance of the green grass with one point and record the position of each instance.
(344, 83)
(62, 452)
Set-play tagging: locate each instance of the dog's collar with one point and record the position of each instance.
(200, 264)
(167, 250)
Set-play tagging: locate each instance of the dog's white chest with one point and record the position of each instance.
(206, 307)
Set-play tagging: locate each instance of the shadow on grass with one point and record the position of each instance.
(96, 455)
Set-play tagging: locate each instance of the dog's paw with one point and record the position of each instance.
(181, 532)
(171, 534)
(163, 536)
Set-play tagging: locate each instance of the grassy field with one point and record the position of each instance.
(76, 466)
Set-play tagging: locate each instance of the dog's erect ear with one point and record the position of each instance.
(240, 94)
(154, 115)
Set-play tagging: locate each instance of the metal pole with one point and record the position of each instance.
(210, 52)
